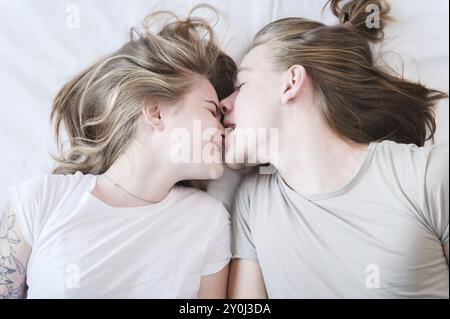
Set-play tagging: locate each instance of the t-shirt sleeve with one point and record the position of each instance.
(436, 197)
(35, 201)
(25, 200)
(243, 246)
(218, 252)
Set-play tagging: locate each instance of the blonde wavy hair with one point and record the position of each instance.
(99, 107)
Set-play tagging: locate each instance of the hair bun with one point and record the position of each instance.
(365, 16)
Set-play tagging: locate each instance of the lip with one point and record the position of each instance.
(226, 124)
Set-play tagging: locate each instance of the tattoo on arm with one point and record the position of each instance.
(12, 271)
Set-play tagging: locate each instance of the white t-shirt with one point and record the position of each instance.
(83, 248)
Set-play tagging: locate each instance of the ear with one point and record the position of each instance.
(152, 116)
(293, 83)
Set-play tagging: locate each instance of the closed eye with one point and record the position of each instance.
(215, 113)
(238, 87)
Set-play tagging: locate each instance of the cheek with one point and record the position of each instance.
(260, 92)
(254, 108)
(185, 120)
(208, 121)
(198, 125)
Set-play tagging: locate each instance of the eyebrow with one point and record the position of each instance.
(214, 103)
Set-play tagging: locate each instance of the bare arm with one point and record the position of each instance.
(246, 280)
(14, 255)
(214, 286)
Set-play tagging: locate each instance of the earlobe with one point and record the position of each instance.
(152, 117)
(294, 81)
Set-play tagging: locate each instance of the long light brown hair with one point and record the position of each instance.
(358, 99)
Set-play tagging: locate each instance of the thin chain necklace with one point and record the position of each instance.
(116, 185)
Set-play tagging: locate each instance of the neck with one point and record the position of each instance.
(150, 182)
(321, 161)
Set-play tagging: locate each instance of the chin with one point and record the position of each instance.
(216, 171)
(233, 160)
(237, 167)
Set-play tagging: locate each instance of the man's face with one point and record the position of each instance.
(253, 109)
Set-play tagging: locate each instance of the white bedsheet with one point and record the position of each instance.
(41, 48)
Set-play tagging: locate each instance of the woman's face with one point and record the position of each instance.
(193, 134)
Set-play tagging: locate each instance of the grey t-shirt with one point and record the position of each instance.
(379, 236)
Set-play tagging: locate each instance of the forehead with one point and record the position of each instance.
(255, 59)
(202, 88)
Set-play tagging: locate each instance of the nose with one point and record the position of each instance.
(227, 104)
